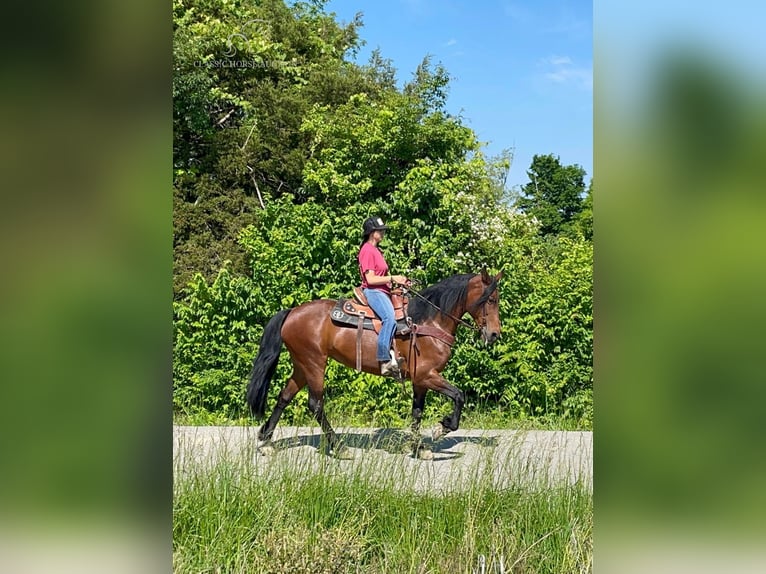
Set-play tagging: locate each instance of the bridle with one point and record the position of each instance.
(478, 328)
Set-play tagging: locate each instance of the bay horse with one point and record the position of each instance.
(311, 336)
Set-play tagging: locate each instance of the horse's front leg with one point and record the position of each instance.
(450, 422)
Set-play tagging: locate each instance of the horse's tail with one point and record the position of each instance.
(265, 364)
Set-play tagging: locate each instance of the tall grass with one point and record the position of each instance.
(305, 513)
(471, 419)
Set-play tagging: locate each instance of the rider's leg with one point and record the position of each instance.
(381, 304)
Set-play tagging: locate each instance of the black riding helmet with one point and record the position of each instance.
(373, 224)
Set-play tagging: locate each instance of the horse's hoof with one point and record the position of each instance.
(266, 449)
(342, 452)
(424, 454)
(438, 432)
(407, 448)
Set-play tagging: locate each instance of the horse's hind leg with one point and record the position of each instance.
(316, 406)
(296, 383)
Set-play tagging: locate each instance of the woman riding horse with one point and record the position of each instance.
(311, 336)
(376, 285)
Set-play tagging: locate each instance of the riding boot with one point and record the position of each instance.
(390, 369)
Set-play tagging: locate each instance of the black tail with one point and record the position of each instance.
(265, 364)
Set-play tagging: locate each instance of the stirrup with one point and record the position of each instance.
(390, 369)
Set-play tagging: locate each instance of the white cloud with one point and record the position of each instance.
(562, 70)
(579, 75)
(451, 42)
(559, 60)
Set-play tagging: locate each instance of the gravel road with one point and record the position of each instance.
(507, 457)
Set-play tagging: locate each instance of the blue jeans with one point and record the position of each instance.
(381, 304)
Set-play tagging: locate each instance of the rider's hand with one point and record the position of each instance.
(399, 279)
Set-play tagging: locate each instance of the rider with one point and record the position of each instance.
(376, 284)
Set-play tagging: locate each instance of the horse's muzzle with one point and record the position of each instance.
(489, 337)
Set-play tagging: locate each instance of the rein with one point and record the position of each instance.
(456, 319)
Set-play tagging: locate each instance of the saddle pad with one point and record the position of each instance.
(340, 317)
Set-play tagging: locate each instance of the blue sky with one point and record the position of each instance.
(522, 71)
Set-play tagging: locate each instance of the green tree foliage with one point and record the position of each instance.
(359, 151)
(585, 217)
(551, 352)
(215, 334)
(554, 194)
(245, 76)
(270, 199)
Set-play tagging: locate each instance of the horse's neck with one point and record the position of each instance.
(446, 323)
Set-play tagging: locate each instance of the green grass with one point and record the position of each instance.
(238, 514)
(471, 419)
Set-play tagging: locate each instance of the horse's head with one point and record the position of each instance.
(482, 302)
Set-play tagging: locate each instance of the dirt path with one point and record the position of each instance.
(507, 457)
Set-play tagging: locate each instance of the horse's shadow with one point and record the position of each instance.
(392, 441)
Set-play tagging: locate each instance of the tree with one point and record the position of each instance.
(245, 75)
(585, 218)
(554, 195)
(276, 164)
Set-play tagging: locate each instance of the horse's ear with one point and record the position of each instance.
(485, 276)
(499, 276)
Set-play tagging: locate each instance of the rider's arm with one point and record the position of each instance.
(373, 279)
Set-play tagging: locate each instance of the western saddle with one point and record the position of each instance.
(355, 311)
(358, 313)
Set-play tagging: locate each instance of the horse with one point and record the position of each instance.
(311, 337)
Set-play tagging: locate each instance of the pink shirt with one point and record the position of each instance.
(370, 258)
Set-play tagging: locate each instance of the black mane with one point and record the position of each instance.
(446, 295)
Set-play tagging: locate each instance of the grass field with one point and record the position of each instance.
(471, 419)
(230, 518)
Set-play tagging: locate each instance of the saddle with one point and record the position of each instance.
(357, 313)
(352, 311)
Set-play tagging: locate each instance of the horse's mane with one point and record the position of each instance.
(446, 295)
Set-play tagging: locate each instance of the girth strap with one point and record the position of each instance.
(359, 332)
(412, 356)
(424, 331)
